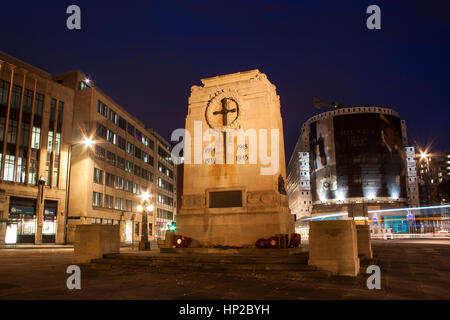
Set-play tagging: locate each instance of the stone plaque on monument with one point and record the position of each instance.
(234, 163)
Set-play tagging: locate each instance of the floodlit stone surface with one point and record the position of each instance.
(333, 247)
(257, 209)
(92, 241)
(364, 241)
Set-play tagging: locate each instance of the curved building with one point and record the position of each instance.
(349, 155)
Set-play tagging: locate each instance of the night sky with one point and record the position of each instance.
(147, 56)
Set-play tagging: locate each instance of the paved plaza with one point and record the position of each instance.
(410, 269)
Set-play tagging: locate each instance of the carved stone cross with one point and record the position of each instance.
(224, 112)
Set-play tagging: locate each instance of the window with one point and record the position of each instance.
(144, 156)
(130, 148)
(2, 128)
(119, 183)
(136, 189)
(164, 214)
(145, 140)
(109, 201)
(113, 116)
(9, 168)
(138, 135)
(16, 95)
(32, 175)
(55, 179)
(101, 131)
(150, 160)
(151, 144)
(4, 92)
(144, 174)
(38, 104)
(50, 142)
(163, 169)
(137, 153)
(163, 154)
(128, 205)
(119, 204)
(60, 115)
(165, 200)
(165, 185)
(84, 85)
(120, 163)
(36, 138)
(27, 101)
(97, 199)
(100, 153)
(21, 169)
(111, 137)
(102, 108)
(12, 131)
(122, 123)
(121, 142)
(128, 186)
(110, 158)
(98, 176)
(57, 143)
(109, 180)
(130, 129)
(129, 167)
(137, 170)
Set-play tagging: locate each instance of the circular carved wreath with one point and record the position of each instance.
(212, 107)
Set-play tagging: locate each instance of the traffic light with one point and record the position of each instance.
(173, 226)
(337, 105)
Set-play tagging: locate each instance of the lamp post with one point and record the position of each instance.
(39, 210)
(145, 207)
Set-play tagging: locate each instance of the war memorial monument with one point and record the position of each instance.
(234, 196)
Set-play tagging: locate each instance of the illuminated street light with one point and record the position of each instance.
(145, 207)
(145, 196)
(423, 155)
(87, 141)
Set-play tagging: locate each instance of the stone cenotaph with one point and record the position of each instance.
(234, 163)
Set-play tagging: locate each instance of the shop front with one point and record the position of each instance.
(21, 225)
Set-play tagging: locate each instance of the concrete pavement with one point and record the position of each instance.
(409, 270)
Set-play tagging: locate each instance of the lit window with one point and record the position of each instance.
(36, 138)
(97, 199)
(9, 168)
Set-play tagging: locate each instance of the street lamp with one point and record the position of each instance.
(145, 207)
(41, 184)
(87, 141)
(39, 215)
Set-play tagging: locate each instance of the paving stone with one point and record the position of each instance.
(408, 272)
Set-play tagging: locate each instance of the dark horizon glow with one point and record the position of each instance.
(146, 56)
